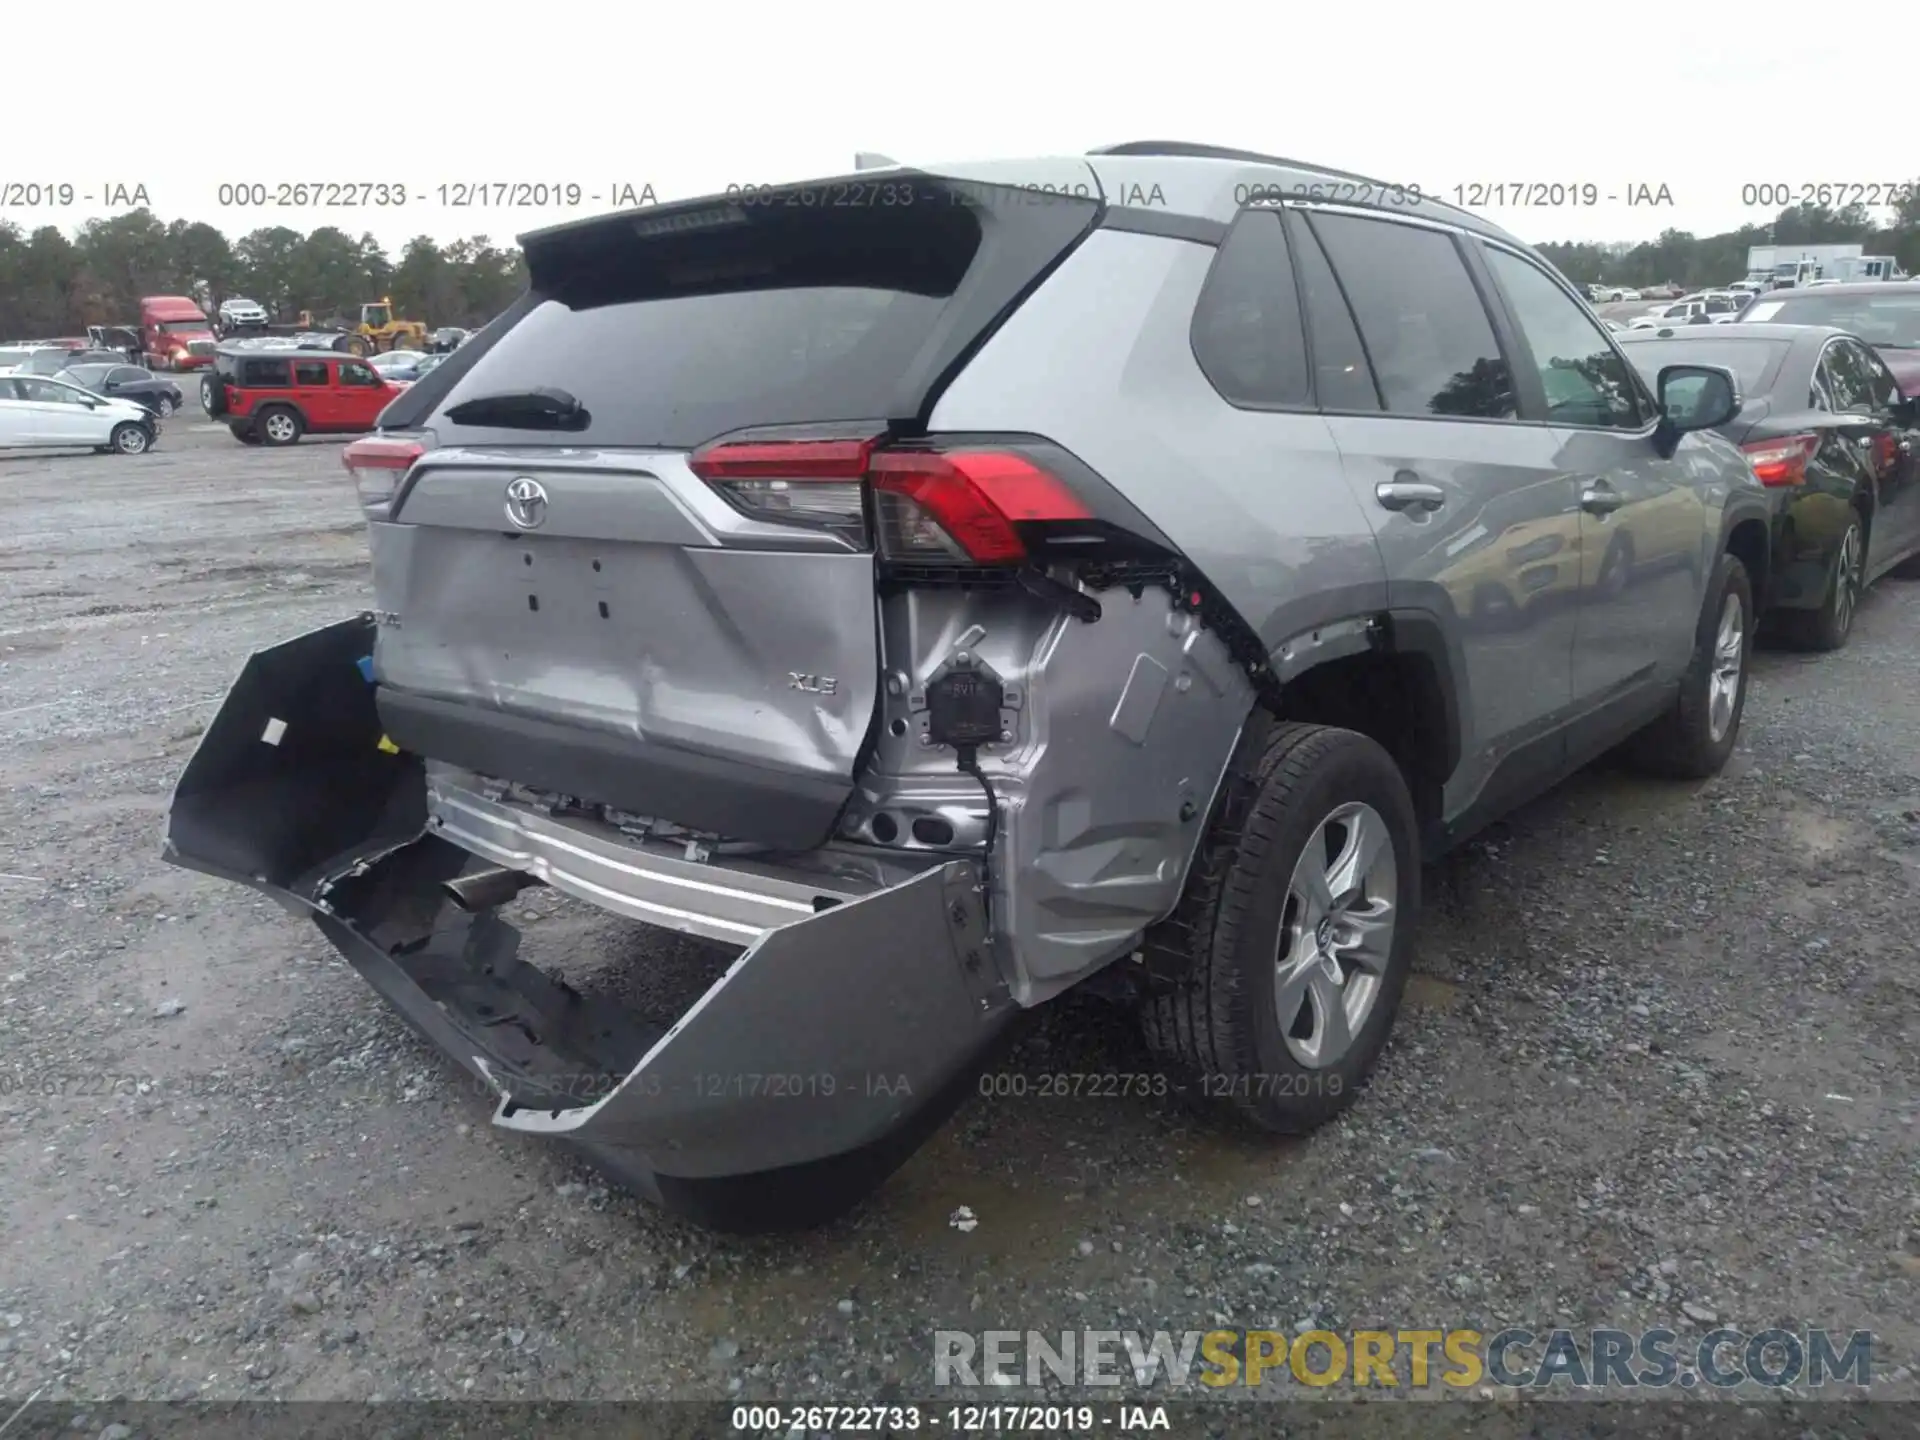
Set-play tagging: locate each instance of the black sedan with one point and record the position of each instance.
(1825, 426)
(128, 382)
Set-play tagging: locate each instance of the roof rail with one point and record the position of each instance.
(1188, 150)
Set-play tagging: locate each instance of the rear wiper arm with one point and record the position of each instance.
(541, 409)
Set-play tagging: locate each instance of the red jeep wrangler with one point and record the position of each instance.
(273, 397)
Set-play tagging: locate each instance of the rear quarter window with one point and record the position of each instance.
(1246, 324)
(265, 374)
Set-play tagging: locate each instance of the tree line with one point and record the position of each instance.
(52, 283)
(1698, 261)
(55, 284)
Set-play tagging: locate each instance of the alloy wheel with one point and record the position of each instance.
(1850, 565)
(1336, 934)
(1729, 655)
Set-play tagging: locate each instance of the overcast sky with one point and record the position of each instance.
(691, 98)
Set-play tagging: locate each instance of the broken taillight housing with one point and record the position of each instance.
(377, 464)
(955, 505)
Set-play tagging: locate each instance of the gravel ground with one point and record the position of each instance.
(1658, 1066)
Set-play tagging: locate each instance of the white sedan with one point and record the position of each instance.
(37, 412)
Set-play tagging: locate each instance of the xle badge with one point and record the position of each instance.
(813, 684)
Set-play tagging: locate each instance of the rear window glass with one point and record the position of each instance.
(1890, 320)
(1755, 362)
(667, 343)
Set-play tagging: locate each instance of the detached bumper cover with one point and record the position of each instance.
(817, 1062)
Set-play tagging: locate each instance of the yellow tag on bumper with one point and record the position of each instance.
(387, 747)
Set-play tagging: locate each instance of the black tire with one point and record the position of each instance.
(1907, 569)
(244, 434)
(278, 425)
(1215, 1022)
(129, 438)
(1682, 744)
(1828, 627)
(163, 406)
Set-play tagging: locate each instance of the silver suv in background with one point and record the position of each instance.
(950, 589)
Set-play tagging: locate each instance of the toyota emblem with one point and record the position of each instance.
(527, 503)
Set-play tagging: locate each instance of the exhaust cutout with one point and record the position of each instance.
(484, 889)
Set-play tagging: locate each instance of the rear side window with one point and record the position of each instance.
(265, 374)
(1246, 325)
(1342, 378)
(703, 319)
(309, 372)
(1432, 345)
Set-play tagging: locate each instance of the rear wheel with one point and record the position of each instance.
(1696, 736)
(1828, 627)
(1292, 945)
(130, 439)
(357, 345)
(278, 425)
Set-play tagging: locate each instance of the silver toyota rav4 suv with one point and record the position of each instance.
(949, 589)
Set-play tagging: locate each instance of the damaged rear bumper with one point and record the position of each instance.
(851, 1024)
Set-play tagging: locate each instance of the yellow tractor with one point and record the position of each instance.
(376, 331)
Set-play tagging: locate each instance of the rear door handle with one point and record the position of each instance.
(1409, 495)
(1601, 500)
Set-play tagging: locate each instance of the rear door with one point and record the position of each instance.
(1472, 508)
(568, 604)
(313, 392)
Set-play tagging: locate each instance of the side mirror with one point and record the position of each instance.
(1693, 397)
(1906, 410)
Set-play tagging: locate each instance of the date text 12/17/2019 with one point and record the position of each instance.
(453, 195)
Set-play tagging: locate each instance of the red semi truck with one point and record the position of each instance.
(175, 333)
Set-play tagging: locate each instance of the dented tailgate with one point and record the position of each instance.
(622, 635)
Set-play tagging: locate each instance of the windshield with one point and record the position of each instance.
(1755, 362)
(182, 327)
(47, 362)
(14, 357)
(376, 315)
(1890, 321)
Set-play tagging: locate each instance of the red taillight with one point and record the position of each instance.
(784, 460)
(377, 463)
(954, 505)
(1782, 462)
(973, 496)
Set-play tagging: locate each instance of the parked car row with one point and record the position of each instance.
(1826, 428)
